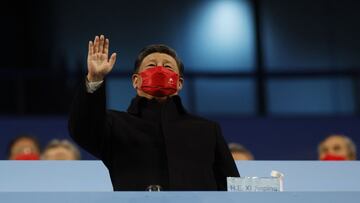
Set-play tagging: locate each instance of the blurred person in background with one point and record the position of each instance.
(337, 148)
(61, 150)
(239, 152)
(24, 147)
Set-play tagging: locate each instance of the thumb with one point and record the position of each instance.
(112, 59)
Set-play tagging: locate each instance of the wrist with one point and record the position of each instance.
(92, 78)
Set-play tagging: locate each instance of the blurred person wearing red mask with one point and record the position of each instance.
(337, 148)
(24, 147)
(156, 142)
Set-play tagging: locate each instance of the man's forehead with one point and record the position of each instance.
(159, 56)
(335, 140)
(25, 140)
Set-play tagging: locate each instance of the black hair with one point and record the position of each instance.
(158, 48)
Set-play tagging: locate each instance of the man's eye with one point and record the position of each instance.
(337, 148)
(167, 66)
(151, 64)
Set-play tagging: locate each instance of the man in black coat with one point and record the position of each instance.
(156, 142)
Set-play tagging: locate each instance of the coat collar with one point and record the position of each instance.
(172, 106)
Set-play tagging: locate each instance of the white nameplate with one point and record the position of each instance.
(253, 184)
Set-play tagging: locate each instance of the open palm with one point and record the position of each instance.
(98, 61)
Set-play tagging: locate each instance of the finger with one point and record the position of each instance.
(96, 45)
(91, 48)
(101, 45)
(112, 59)
(106, 47)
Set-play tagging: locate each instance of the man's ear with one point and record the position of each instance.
(180, 83)
(136, 80)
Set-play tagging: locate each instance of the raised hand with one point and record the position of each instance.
(98, 61)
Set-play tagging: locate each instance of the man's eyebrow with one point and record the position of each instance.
(167, 61)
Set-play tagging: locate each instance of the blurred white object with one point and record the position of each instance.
(277, 174)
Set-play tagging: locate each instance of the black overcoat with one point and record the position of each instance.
(152, 143)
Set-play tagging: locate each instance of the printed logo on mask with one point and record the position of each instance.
(159, 81)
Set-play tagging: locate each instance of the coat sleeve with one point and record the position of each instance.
(89, 124)
(224, 165)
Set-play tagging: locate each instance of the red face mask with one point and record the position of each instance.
(159, 81)
(27, 156)
(330, 157)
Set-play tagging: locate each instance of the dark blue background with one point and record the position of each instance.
(267, 138)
